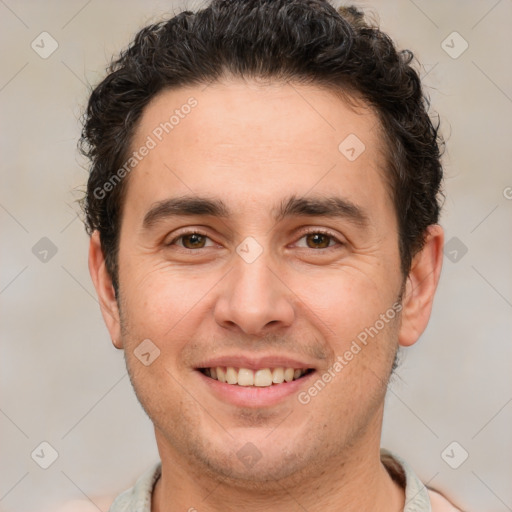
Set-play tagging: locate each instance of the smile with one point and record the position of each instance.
(263, 377)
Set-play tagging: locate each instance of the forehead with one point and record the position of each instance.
(254, 142)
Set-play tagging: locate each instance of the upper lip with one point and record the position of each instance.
(254, 363)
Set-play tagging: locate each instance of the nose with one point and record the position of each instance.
(254, 299)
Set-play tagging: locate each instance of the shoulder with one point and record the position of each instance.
(417, 495)
(137, 497)
(440, 504)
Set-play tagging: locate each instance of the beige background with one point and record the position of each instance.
(63, 382)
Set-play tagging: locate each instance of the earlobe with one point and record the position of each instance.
(104, 289)
(421, 286)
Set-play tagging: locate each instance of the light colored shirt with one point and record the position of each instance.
(138, 498)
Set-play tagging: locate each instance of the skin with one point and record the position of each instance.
(253, 145)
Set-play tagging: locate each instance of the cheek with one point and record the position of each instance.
(358, 319)
(344, 301)
(159, 300)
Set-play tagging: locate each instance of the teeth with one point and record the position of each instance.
(263, 377)
(278, 375)
(231, 375)
(221, 374)
(245, 377)
(288, 374)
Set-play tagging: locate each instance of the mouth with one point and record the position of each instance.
(253, 382)
(261, 377)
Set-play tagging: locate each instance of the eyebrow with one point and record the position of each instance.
(184, 206)
(293, 206)
(313, 206)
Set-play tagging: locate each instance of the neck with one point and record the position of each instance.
(355, 480)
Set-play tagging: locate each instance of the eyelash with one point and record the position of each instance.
(303, 234)
(187, 233)
(321, 232)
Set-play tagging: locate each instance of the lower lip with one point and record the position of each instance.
(253, 396)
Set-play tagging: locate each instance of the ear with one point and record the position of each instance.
(104, 288)
(420, 287)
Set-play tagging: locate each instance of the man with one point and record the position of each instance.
(263, 207)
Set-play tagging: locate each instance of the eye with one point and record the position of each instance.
(318, 240)
(191, 241)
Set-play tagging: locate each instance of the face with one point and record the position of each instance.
(256, 248)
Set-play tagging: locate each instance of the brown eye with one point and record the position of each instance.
(318, 240)
(193, 241)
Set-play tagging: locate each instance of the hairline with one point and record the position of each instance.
(349, 95)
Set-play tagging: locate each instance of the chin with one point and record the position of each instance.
(255, 458)
(267, 471)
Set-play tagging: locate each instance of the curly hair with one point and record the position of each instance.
(304, 41)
